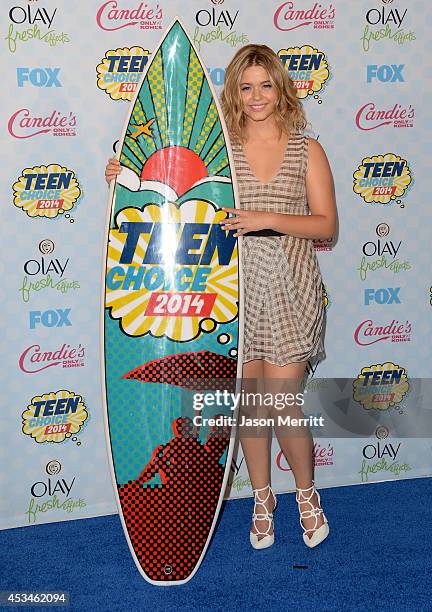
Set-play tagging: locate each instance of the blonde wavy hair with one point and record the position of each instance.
(289, 113)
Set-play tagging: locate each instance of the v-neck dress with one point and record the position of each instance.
(284, 316)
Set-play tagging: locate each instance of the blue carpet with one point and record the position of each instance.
(377, 556)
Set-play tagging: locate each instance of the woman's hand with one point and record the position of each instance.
(246, 221)
(113, 169)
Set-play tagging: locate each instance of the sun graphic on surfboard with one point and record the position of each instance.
(181, 168)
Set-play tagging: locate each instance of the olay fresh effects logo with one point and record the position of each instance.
(289, 17)
(40, 21)
(45, 273)
(385, 73)
(35, 359)
(114, 15)
(221, 23)
(52, 493)
(120, 71)
(308, 68)
(24, 123)
(379, 457)
(54, 417)
(381, 386)
(47, 191)
(38, 77)
(386, 23)
(368, 332)
(381, 255)
(369, 117)
(382, 179)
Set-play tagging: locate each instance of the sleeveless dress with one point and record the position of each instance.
(284, 315)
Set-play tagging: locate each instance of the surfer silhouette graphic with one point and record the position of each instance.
(169, 460)
(181, 454)
(186, 466)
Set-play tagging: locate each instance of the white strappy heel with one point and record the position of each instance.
(268, 538)
(318, 535)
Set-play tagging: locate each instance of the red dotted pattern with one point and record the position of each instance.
(193, 370)
(169, 525)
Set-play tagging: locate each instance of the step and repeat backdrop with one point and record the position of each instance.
(69, 73)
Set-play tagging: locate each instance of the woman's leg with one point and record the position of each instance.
(256, 442)
(296, 442)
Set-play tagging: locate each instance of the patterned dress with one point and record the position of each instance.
(284, 316)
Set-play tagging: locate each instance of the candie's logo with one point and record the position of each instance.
(180, 301)
(382, 179)
(308, 68)
(25, 124)
(289, 17)
(323, 455)
(381, 386)
(114, 15)
(120, 71)
(323, 244)
(35, 359)
(54, 416)
(369, 117)
(47, 191)
(368, 332)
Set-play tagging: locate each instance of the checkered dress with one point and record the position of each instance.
(284, 316)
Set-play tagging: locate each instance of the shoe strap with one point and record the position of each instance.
(263, 516)
(263, 501)
(313, 511)
(268, 516)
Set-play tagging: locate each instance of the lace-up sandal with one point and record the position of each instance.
(318, 533)
(268, 538)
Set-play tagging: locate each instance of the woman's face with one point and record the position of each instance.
(258, 94)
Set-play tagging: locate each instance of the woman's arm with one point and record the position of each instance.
(321, 223)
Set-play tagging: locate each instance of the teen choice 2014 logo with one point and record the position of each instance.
(181, 290)
(47, 191)
(120, 71)
(54, 416)
(381, 386)
(308, 68)
(382, 178)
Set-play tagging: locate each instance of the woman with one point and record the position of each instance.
(286, 200)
